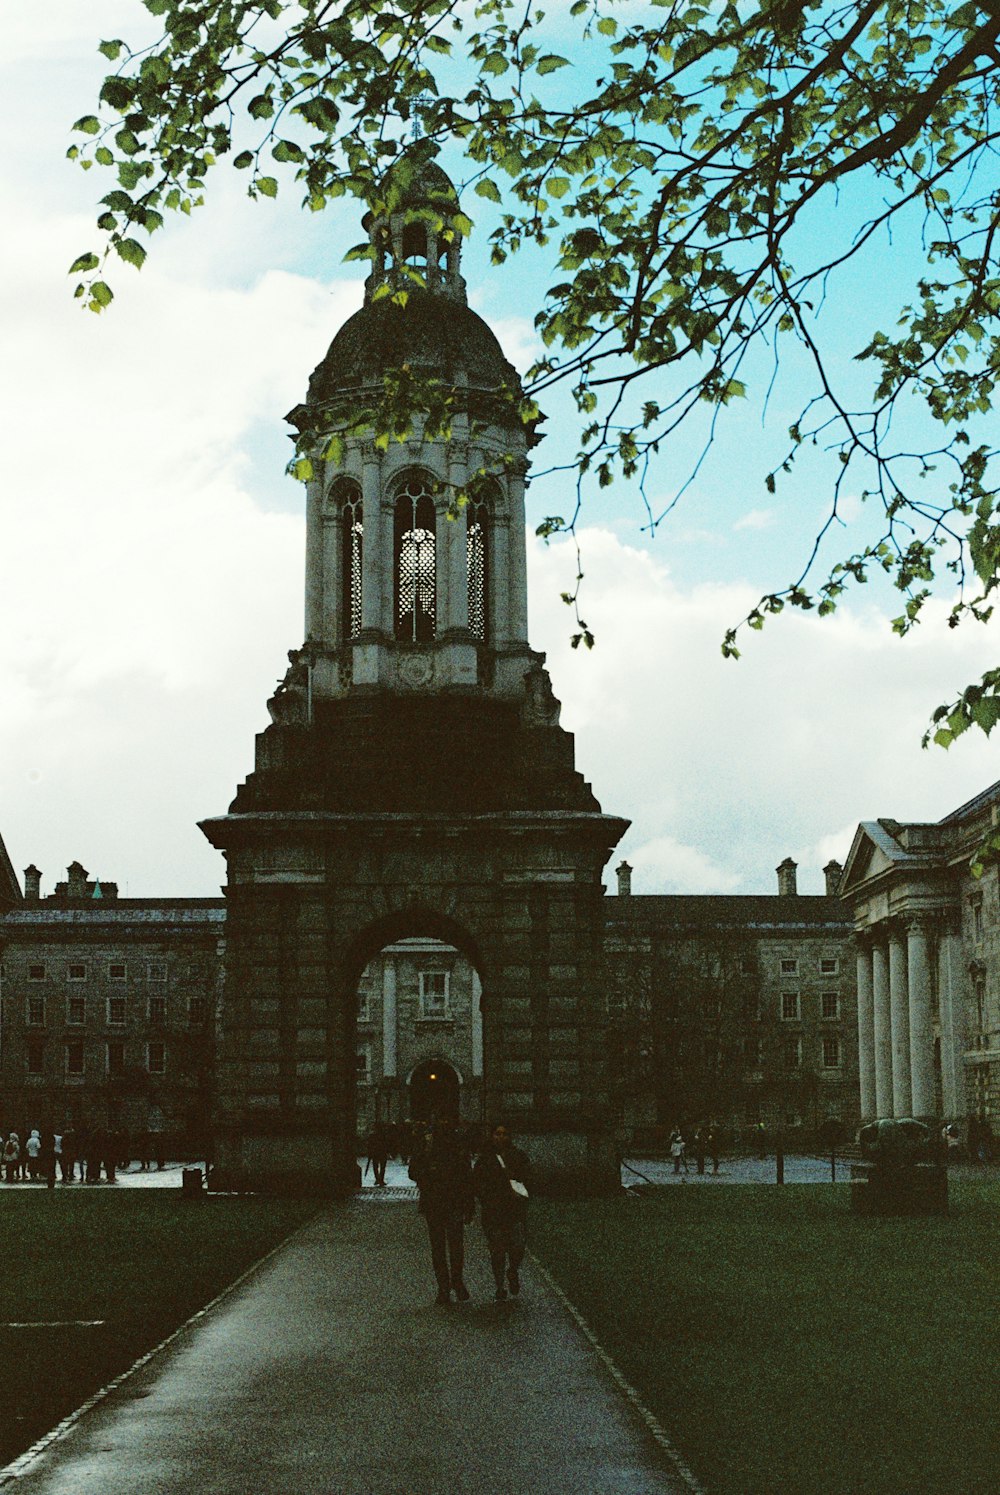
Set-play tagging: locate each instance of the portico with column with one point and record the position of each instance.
(896, 1019)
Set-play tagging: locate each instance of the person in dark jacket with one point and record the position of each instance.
(378, 1153)
(441, 1169)
(501, 1179)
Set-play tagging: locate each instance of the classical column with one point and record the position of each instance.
(866, 1032)
(921, 1028)
(517, 558)
(376, 557)
(477, 1027)
(882, 1030)
(314, 560)
(899, 1010)
(389, 1016)
(952, 988)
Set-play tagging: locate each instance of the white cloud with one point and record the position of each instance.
(818, 726)
(664, 865)
(757, 519)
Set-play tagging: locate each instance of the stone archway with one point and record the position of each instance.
(435, 1090)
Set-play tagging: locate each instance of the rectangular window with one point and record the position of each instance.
(156, 970)
(156, 1058)
(36, 973)
(116, 1057)
(830, 1004)
(831, 1052)
(76, 1010)
(433, 993)
(157, 1009)
(364, 1062)
(74, 1057)
(364, 1005)
(196, 1011)
(790, 1006)
(793, 1053)
(116, 1011)
(829, 967)
(76, 972)
(117, 971)
(36, 1012)
(789, 968)
(36, 1056)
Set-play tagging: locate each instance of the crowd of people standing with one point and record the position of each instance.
(85, 1154)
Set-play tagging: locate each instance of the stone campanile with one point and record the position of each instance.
(414, 779)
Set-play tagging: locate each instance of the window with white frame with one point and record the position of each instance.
(157, 1009)
(790, 1006)
(36, 1012)
(197, 1011)
(156, 1058)
(116, 1011)
(364, 1064)
(36, 973)
(434, 993)
(829, 966)
(830, 1004)
(156, 970)
(116, 1057)
(789, 968)
(831, 1051)
(117, 971)
(74, 1057)
(77, 971)
(76, 1009)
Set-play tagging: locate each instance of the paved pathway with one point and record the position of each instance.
(330, 1371)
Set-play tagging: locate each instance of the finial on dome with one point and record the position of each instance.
(413, 239)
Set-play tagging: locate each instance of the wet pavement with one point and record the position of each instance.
(331, 1371)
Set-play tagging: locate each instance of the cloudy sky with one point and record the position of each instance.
(152, 563)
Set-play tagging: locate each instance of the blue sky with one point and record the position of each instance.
(153, 551)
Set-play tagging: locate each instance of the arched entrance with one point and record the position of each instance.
(434, 1092)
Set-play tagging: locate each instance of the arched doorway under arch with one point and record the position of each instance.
(435, 1089)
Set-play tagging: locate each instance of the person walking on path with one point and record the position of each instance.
(501, 1179)
(33, 1148)
(678, 1150)
(377, 1148)
(440, 1168)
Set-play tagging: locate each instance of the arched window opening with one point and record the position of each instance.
(415, 562)
(477, 556)
(347, 497)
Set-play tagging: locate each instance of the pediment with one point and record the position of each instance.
(873, 852)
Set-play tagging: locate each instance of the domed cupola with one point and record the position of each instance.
(415, 311)
(415, 548)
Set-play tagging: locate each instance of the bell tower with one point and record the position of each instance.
(414, 778)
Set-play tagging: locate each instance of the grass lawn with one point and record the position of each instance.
(142, 1260)
(789, 1347)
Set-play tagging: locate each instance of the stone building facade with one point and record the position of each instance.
(108, 1010)
(928, 965)
(732, 1009)
(420, 1036)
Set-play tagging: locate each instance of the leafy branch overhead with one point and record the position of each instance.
(701, 177)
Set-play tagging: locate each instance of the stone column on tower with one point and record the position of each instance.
(882, 1026)
(866, 1030)
(921, 1020)
(899, 1007)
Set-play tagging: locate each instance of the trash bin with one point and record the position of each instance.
(192, 1180)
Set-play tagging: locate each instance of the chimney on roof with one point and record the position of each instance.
(76, 881)
(833, 872)
(624, 874)
(32, 884)
(787, 887)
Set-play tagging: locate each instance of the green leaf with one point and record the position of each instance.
(267, 185)
(607, 26)
(550, 62)
(131, 251)
(103, 156)
(302, 469)
(488, 189)
(84, 263)
(111, 50)
(101, 294)
(89, 124)
(243, 160)
(495, 64)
